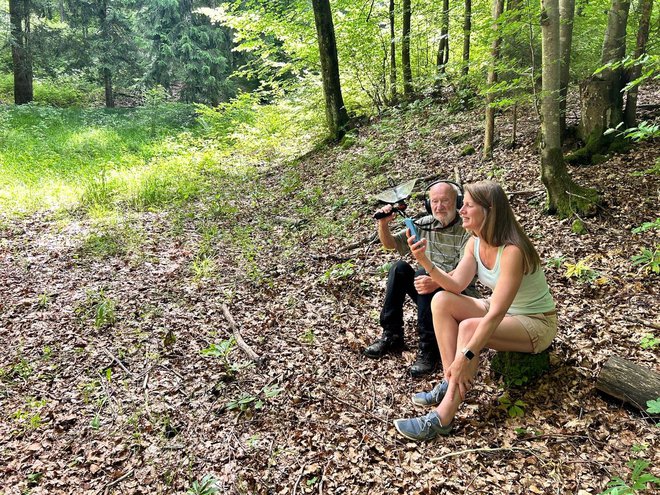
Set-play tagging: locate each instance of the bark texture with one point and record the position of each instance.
(564, 196)
(19, 19)
(629, 382)
(566, 16)
(335, 111)
(467, 31)
(645, 8)
(405, 50)
(489, 134)
(393, 92)
(601, 97)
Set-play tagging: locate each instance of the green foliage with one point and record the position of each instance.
(339, 271)
(98, 307)
(222, 351)
(29, 417)
(207, 486)
(248, 402)
(646, 226)
(580, 271)
(649, 342)
(648, 260)
(555, 262)
(653, 406)
(515, 409)
(638, 481)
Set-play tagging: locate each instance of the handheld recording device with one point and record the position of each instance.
(413, 228)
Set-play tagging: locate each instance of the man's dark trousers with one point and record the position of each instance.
(400, 281)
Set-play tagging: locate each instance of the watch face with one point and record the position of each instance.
(468, 353)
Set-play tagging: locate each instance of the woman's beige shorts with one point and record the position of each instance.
(540, 327)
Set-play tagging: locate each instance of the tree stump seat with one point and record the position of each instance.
(520, 368)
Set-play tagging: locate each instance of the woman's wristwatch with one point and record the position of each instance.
(468, 354)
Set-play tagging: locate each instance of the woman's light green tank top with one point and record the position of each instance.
(532, 297)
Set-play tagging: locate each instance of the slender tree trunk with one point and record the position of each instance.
(566, 15)
(564, 196)
(19, 18)
(645, 8)
(498, 7)
(335, 111)
(107, 83)
(467, 31)
(443, 46)
(393, 93)
(405, 51)
(602, 101)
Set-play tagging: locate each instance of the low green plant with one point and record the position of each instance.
(100, 308)
(247, 402)
(207, 486)
(638, 481)
(649, 341)
(340, 271)
(222, 351)
(580, 271)
(653, 406)
(29, 418)
(308, 337)
(515, 409)
(646, 226)
(556, 261)
(648, 260)
(43, 300)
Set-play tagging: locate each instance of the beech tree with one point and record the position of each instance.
(405, 50)
(443, 46)
(645, 7)
(335, 111)
(565, 197)
(566, 15)
(601, 95)
(393, 92)
(21, 54)
(467, 31)
(498, 7)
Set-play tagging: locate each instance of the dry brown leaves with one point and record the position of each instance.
(159, 418)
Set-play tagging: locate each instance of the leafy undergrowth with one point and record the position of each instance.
(119, 376)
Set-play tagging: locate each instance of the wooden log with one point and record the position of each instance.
(629, 382)
(520, 368)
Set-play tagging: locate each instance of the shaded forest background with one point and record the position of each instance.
(168, 166)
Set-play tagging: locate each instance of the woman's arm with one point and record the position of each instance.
(505, 291)
(459, 278)
(506, 288)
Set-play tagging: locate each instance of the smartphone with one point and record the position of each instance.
(413, 229)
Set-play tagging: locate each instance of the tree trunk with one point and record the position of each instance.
(467, 30)
(405, 50)
(645, 8)
(564, 196)
(19, 18)
(107, 83)
(566, 15)
(443, 46)
(393, 93)
(629, 382)
(602, 104)
(335, 110)
(498, 7)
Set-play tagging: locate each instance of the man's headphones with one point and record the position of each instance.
(455, 186)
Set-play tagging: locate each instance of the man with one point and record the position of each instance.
(446, 240)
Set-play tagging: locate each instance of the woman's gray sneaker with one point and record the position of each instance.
(432, 398)
(423, 428)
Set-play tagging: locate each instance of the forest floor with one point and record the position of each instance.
(104, 387)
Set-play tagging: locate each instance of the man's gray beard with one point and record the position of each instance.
(441, 222)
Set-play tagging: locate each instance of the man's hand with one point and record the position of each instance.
(425, 284)
(388, 211)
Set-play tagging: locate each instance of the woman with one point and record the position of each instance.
(519, 316)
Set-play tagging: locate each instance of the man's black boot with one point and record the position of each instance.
(426, 362)
(385, 344)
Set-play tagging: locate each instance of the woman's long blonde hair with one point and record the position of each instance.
(500, 226)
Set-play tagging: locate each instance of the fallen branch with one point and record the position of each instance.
(366, 240)
(114, 358)
(357, 408)
(483, 449)
(295, 486)
(239, 338)
(117, 481)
